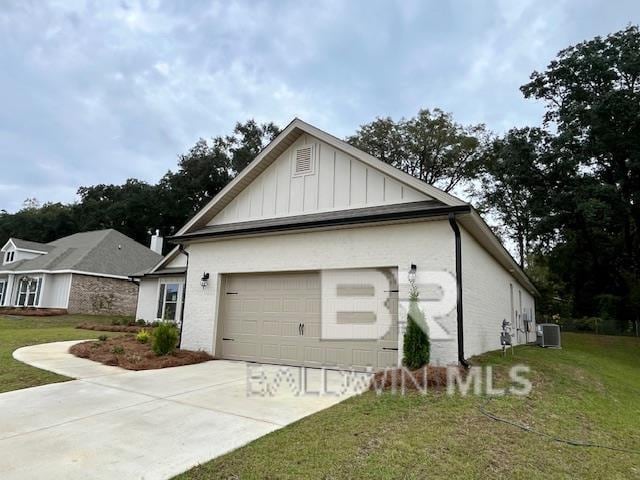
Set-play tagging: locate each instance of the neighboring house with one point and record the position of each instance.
(314, 225)
(83, 273)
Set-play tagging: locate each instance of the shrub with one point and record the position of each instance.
(143, 336)
(416, 339)
(118, 350)
(141, 323)
(115, 321)
(165, 338)
(102, 338)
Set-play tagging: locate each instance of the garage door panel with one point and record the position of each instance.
(264, 313)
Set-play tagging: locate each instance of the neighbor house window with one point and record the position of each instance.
(8, 257)
(3, 290)
(168, 301)
(28, 293)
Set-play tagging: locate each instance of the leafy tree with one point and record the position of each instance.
(592, 91)
(512, 185)
(429, 146)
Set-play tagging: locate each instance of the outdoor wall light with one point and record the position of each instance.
(204, 281)
(412, 273)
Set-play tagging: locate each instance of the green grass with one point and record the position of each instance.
(588, 391)
(16, 332)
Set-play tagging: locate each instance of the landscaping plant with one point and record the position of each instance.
(416, 338)
(102, 338)
(143, 336)
(165, 338)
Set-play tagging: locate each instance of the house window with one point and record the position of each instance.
(168, 301)
(3, 290)
(9, 256)
(28, 293)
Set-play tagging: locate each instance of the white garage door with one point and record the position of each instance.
(275, 318)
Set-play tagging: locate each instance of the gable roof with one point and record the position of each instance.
(27, 245)
(283, 141)
(106, 252)
(469, 218)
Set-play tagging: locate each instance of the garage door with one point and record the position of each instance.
(275, 318)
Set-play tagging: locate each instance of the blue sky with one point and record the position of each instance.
(98, 91)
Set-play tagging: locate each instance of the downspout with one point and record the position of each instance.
(184, 292)
(459, 317)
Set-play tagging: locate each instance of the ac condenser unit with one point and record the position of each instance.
(548, 335)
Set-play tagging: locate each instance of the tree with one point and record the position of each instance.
(592, 91)
(430, 146)
(512, 185)
(416, 347)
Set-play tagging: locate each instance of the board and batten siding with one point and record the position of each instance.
(338, 182)
(486, 300)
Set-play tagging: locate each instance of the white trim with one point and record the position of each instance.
(66, 305)
(30, 251)
(165, 282)
(4, 247)
(15, 247)
(78, 272)
(169, 256)
(42, 283)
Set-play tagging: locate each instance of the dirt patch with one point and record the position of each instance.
(126, 352)
(430, 377)
(111, 328)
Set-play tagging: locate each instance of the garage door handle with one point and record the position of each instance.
(232, 293)
(303, 329)
(389, 348)
(299, 329)
(227, 339)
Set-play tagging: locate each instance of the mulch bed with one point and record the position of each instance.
(432, 377)
(111, 328)
(136, 355)
(32, 312)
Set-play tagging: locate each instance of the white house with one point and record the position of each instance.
(86, 272)
(316, 238)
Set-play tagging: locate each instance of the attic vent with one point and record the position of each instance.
(304, 160)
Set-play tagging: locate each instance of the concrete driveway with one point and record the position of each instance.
(114, 423)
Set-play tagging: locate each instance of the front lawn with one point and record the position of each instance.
(588, 391)
(16, 332)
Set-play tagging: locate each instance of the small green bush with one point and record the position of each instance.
(118, 350)
(143, 336)
(165, 338)
(141, 322)
(102, 338)
(416, 339)
(115, 321)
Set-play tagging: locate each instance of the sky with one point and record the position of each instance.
(98, 91)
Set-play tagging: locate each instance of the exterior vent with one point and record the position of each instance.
(304, 161)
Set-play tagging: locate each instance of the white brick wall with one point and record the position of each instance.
(486, 299)
(430, 245)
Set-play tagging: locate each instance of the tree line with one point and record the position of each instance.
(564, 196)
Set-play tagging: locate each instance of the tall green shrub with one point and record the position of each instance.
(416, 338)
(165, 339)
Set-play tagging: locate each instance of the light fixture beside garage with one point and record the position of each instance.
(412, 273)
(204, 281)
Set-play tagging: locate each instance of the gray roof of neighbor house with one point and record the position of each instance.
(35, 246)
(106, 252)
